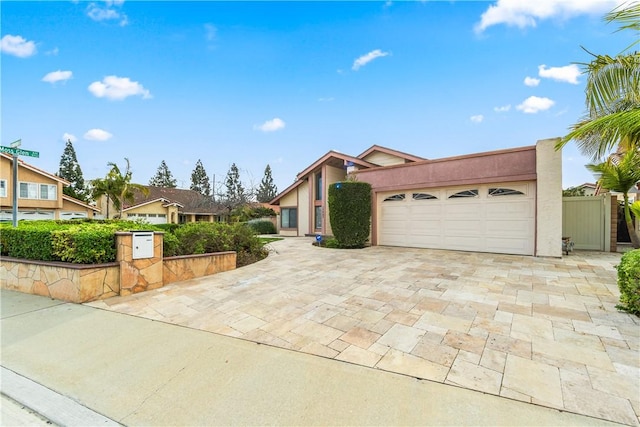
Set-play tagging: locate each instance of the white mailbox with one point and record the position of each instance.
(142, 244)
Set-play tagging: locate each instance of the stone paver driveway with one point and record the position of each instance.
(539, 330)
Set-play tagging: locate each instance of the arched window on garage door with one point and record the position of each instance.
(395, 198)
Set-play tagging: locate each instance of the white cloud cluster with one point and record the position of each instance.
(365, 59)
(57, 76)
(527, 13)
(97, 135)
(568, 73)
(69, 137)
(17, 46)
(531, 81)
(534, 104)
(118, 88)
(502, 109)
(210, 32)
(477, 118)
(107, 11)
(272, 125)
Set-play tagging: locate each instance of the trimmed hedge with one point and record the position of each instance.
(93, 242)
(629, 282)
(350, 212)
(262, 226)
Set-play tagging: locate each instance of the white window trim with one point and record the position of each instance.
(34, 191)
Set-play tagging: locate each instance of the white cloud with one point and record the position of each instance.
(69, 137)
(534, 104)
(107, 12)
(117, 88)
(531, 81)
(271, 125)
(53, 52)
(477, 118)
(57, 76)
(527, 13)
(17, 46)
(365, 59)
(568, 73)
(210, 32)
(502, 109)
(97, 135)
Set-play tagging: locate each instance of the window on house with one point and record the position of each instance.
(29, 190)
(3, 188)
(318, 217)
(504, 192)
(423, 196)
(395, 198)
(464, 194)
(319, 186)
(289, 217)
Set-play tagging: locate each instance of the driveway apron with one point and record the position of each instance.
(539, 330)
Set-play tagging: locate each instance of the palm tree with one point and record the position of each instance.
(612, 97)
(621, 174)
(117, 187)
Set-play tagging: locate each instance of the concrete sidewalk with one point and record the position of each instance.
(136, 371)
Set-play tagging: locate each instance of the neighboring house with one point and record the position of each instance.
(39, 194)
(588, 187)
(507, 201)
(168, 205)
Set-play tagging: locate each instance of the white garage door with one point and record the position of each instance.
(497, 218)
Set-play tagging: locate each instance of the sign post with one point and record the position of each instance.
(15, 152)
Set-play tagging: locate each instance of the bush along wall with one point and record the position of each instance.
(629, 282)
(350, 213)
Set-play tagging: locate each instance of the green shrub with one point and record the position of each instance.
(170, 245)
(30, 240)
(350, 212)
(262, 226)
(629, 282)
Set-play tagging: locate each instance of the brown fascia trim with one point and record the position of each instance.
(79, 203)
(332, 153)
(448, 159)
(437, 184)
(276, 200)
(391, 151)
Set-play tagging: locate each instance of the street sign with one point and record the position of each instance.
(19, 152)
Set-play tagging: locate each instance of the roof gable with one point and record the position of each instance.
(189, 200)
(23, 164)
(377, 149)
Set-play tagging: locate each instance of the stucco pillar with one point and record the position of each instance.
(139, 273)
(549, 198)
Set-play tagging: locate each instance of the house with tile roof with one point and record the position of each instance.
(39, 195)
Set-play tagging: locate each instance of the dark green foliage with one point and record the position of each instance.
(70, 170)
(200, 181)
(208, 237)
(267, 190)
(262, 226)
(245, 213)
(93, 241)
(235, 194)
(572, 192)
(629, 282)
(163, 177)
(350, 212)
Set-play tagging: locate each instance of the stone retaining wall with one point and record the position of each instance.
(83, 283)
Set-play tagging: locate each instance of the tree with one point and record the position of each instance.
(572, 192)
(235, 194)
(620, 175)
(267, 190)
(200, 180)
(612, 93)
(163, 177)
(70, 170)
(117, 186)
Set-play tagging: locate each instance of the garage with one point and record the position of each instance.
(496, 218)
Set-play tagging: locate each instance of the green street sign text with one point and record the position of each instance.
(19, 152)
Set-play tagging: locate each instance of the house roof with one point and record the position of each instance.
(80, 203)
(336, 159)
(381, 149)
(25, 165)
(190, 201)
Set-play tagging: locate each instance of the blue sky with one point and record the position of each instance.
(282, 83)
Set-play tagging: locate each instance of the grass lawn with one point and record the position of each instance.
(266, 240)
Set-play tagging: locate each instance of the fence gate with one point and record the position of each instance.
(586, 219)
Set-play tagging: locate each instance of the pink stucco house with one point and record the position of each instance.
(506, 201)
